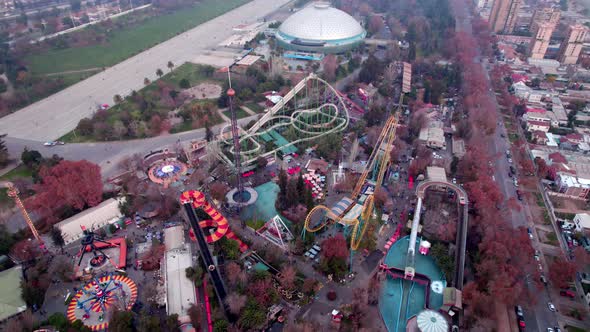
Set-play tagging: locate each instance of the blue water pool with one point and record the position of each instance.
(264, 208)
(402, 299)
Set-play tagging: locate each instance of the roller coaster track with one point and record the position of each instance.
(359, 225)
(192, 200)
(330, 112)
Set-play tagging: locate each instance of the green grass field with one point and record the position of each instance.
(240, 113)
(19, 172)
(130, 41)
(255, 107)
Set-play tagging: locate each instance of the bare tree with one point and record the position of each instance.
(235, 302)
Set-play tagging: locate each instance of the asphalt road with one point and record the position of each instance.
(56, 115)
(537, 316)
(108, 154)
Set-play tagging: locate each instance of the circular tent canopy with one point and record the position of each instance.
(432, 321)
(320, 28)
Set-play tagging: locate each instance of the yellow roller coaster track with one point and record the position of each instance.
(384, 145)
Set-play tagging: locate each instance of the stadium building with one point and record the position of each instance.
(320, 28)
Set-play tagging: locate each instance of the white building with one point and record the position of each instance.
(93, 218)
(521, 90)
(582, 221)
(180, 291)
(574, 186)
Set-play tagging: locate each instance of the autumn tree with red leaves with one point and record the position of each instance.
(562, 272)
(375, 24)
(263, 291)
(334, 255)
(69, 184)
(335, 247)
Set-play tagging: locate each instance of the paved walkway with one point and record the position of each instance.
(58, 114)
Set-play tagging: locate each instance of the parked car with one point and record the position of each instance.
(519, 195)
(567, 293)
(519, 311)
(510, 160)
(512, 169)
(530, 231)
(515, 181)
(551, 306)
(543, 279)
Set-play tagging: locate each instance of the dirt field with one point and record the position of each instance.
(204, 91)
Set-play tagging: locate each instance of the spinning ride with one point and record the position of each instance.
(166, 171)
(312, 109)
(92, 302)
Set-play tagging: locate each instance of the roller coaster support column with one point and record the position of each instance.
(410, 268)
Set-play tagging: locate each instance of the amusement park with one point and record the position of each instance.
(295, 205)
(307, 201)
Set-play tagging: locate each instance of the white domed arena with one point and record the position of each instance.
(320, 28)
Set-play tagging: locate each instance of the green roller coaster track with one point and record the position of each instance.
(312, 108)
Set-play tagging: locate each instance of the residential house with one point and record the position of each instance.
(571, 185)
(540, 137)
(538, 126)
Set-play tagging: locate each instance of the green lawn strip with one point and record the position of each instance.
(540, 201)
(129, 41)
(240, 113)
(5, 201)
(20, 171)
(255, 107)
(551, 239)
(546, 218)
(255, 224)
(570, 328)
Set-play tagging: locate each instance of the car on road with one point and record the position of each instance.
(53, 143)
(462, 200)
(551, 307)
(549, 329)
(454, 181)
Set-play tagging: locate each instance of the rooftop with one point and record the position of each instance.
(180, 291)
(11, 302)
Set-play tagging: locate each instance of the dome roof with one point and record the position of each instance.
(432, 321)
(321, 22)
